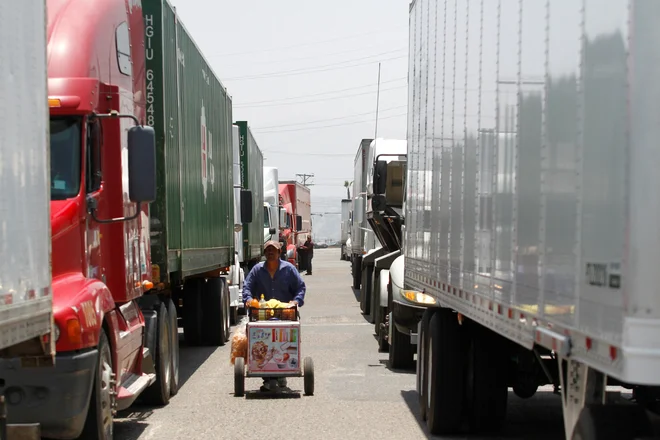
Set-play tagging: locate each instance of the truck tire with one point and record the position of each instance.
(192, 311)
(227, 309)
(174, 331)
(446, 357)
(357, 272)
(159, 392)
(402, 355)
(380, 312)
(214, 316)
(422, 362)
(99, 423)
(365, 291)
(486, 381)
(383, 345)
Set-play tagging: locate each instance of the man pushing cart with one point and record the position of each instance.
(272, 292)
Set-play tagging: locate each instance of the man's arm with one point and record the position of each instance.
(248, 285)
(298, 287)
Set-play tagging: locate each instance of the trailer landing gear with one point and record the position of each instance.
(588, 415)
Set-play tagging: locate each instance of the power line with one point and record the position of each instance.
(317, 69)
(318, 94)
(309, 154)
(286, 60)
(331, 98)
(333, 125)
(311, 43)
(329, 119)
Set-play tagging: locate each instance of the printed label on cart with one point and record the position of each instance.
(273, 349)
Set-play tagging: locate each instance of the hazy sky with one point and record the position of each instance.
(304, 74)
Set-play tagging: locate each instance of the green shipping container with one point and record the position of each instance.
(192, 218)
(252, 178)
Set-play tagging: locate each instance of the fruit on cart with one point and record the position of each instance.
(254, 303)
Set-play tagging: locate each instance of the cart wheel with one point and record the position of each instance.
(239, 377)
(308, 374)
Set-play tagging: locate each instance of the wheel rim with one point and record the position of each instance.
(106, 394)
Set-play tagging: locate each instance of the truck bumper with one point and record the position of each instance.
(55, 397)
(406, 317)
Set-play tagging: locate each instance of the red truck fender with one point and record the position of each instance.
(84, 300)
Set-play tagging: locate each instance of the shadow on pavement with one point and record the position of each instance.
(258, 395)
(537, 418)
(412, 371)
(132, 422)
(356, 293)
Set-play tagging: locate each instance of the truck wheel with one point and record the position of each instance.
(99, 422)
(422, 362)
(401, 352)
(159, 392)
(365, 291)
(383, 345)
(192, 311)
(357, 272)
(446, 378)
(174, 351)
(308, 376)
(214, 317)
(486, 386)
(612, 422)
(239, 377)
(227, 309)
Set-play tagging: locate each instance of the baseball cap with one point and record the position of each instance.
(275, 244)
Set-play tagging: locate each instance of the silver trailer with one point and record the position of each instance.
(26, 310)
(362, 237)
(535, 242)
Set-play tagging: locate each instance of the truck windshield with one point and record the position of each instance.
(266, 222)
(65, 147)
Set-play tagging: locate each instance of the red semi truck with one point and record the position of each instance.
(136, 116)
(296, 200)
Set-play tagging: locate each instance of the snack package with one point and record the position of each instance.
(239, 342)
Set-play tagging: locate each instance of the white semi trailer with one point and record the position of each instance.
(536, 241)
(27, 332)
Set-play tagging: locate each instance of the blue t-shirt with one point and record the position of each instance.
(286, 285)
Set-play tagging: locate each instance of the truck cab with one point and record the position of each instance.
(271, 205)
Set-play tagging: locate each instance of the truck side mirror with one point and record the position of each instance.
(272, 231)
(246, 206)
(298, 223)
(380, 177)
(141, 164)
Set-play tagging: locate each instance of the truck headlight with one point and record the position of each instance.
(417, 297)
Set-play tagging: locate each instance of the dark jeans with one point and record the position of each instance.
(309, 264)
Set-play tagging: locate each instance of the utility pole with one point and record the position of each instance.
(304, 178)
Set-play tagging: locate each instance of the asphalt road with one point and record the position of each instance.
(356, 395)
